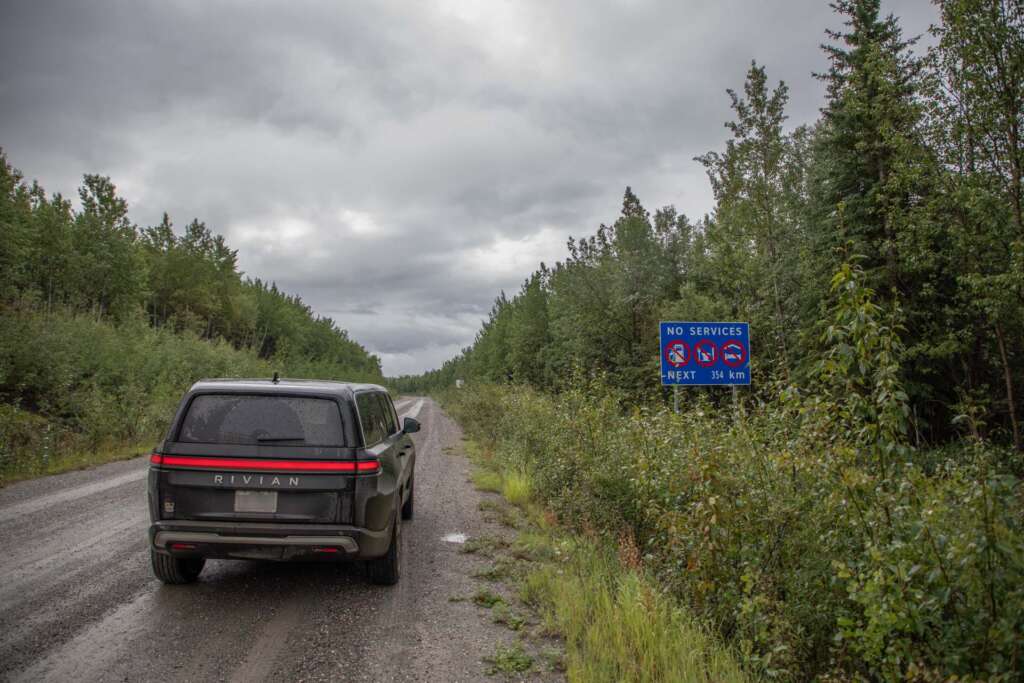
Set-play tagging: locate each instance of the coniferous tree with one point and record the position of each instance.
(872, 175)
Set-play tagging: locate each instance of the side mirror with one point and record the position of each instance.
(410, 425)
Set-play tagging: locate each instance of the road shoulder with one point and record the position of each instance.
(428, 627)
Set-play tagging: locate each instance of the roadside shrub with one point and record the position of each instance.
(780, 533)
(75, 390)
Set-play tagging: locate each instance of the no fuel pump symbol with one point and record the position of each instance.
(677, 353)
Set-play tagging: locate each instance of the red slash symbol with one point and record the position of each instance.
(734, 353)
(677, 353)
(706, 353)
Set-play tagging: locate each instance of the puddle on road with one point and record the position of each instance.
(455, 538)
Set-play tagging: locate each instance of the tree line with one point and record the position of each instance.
(95, 260)
(912, 176)
(103, 325)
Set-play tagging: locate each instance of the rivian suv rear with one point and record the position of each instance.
(281, 470)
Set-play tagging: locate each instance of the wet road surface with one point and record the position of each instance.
(78, 600)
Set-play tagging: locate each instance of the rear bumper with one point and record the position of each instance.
(267, 541)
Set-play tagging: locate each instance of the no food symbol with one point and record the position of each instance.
(677, 353)
(734, 353)
(706, 352)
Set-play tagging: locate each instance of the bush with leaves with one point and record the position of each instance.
(71, 384)
(806, 529)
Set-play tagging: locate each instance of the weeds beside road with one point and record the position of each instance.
(769, 529)
(77, 391)
(616, 623)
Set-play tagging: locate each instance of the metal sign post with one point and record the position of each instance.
(705, 354)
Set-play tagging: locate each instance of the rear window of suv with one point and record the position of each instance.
(287, 420)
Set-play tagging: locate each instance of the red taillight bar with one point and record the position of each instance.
(204, 462)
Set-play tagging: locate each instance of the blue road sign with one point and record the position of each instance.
(697, 354)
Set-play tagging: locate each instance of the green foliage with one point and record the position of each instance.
(486, 480)
(778, 530)
(754, 235)
(486, 598)
(508, 659)
(95, 260)
(483, 545)
(501, 613)
(976, 98)
(616, 624)
(104, 325)
(860, 372)
(499, 571)
(516, 488)
(72, 384)
(937, 586)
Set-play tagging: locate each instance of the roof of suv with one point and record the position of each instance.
(282, 385)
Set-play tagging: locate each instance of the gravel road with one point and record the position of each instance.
(78, 600)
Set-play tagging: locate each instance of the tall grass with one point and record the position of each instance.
(618, 626)
(516, 488)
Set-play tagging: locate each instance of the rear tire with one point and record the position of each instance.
(386, 570)
(176, 570)
(407, 506)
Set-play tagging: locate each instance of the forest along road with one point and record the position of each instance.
(78, 600)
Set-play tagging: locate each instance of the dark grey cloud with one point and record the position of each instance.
(396, 164)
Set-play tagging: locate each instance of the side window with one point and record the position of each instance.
(390, 421)
(370, 417)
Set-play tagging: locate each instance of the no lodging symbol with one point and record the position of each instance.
(734, 353)
(677, 353)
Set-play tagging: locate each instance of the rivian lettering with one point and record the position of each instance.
(258, 480)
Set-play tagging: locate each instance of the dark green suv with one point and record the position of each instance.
(281, 470)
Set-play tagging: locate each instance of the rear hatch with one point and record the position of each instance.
(259, 457)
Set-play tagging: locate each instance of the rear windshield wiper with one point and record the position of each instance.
(270, 439)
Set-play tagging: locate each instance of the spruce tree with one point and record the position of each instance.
(873, 174)
(867, 134)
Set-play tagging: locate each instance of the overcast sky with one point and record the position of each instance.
(396, 164)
